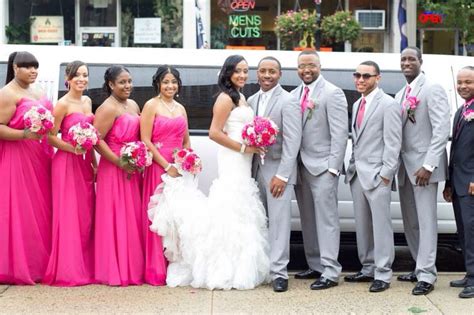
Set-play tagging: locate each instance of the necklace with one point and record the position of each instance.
(170, 108)
(124, 105)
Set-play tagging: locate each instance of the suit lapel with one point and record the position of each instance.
(371, 110)
(355, 110)
(315, 96)
(271, 102)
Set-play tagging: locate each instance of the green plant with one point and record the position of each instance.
(171, 14)
(296, 24)
(19, 33)
(127, 28)
(340, 27)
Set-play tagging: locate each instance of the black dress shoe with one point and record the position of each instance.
(323, 283)
(422, 288)
(308, 274)
(358, 277)
(409, 277)
(280, 285)
(379, 286)
(467, 293)
(458, 283)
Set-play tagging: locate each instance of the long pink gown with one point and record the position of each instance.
(167, 135)
(25, 203)
(119, 237)
(72, 254)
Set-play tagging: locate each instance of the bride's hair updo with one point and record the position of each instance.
(224, 82)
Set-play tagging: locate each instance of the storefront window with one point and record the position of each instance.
(98, 13)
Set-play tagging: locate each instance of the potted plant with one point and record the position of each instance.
(296, 28)
(340, 27)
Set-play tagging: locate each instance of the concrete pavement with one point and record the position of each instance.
(347, 298)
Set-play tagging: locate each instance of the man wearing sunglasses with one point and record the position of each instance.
(426, 122)
(320, 163)
(376, 141)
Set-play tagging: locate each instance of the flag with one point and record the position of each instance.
(402, 24)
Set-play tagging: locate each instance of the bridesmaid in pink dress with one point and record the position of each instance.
(72, 254)
(119, 238)
(163, 128)
(25, 178)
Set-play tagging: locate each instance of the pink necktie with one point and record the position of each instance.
(360, 113)
(407, 93)
(304, 100)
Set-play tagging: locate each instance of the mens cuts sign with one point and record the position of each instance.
(242, 22)
(47, 29)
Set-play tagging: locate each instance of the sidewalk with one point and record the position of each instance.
(347, 298)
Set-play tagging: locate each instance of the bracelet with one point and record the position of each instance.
(242, 148)
(167, 168)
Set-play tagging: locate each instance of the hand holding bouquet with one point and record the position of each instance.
(38, 119)
(83, 136)
(187, 160)
(261, 132)
(135, 155)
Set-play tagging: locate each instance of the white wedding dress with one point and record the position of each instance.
(220, 241)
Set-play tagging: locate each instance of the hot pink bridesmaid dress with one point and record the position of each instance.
(167, 135)
(119, 237)
(72, 255)
(25, 203)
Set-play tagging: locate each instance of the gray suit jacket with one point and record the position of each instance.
(376, 145)
(325, 131)
(280, 159)
(424, 142)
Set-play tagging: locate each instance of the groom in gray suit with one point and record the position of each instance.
(376, 142)
(277, 175)
(320, 163)
(423, 165)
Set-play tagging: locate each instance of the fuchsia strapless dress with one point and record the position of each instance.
(167, 135)
(119, 237)
(72, 254)
(25, 203)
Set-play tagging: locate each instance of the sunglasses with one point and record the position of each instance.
(365, 76)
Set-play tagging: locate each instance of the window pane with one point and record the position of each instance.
(98, 13)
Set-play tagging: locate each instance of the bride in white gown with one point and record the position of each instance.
(218, 242)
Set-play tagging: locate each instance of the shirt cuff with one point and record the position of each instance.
(334, 171)
(282, 178)
(429, 168)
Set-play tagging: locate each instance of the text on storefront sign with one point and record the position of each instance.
(245, 26)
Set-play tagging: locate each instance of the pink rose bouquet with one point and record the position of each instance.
(83, 135)
(261, 132)
(468, 115)
(38, 119)
(137, 155)
(187, 160)
(410, 105)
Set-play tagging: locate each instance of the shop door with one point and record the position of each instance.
(97, 22)
(439, 41)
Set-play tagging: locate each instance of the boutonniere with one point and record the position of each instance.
(411, 103)
(310, 107)
(468, 115)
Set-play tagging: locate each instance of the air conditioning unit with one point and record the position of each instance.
(371, 19)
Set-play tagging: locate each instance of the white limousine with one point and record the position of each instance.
(199, 70)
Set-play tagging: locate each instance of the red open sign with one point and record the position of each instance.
(242, 5)
(431, 17)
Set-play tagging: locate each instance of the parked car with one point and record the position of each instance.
(199, 71)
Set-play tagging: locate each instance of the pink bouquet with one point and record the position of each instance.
(410, 105)
(261, 132)
(38, 119)
(84, 136)
(187, 160)
(136, 154)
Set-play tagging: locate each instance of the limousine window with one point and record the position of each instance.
(200, 87)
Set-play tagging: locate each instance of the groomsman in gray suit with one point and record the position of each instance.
(376, 142)
(320, 163)
(423, 164)
(277, 175)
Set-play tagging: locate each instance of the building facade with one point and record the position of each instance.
(214, 24)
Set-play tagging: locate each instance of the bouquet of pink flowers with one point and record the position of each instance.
(38, 119)
(187, 160)
(83, 135)
(410, 105)
(137, 155)
(261, 132)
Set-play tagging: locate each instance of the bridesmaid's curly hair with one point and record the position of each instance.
(224, 83)
(160, 75)
(110, 75)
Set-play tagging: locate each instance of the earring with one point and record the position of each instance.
(66, 84)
